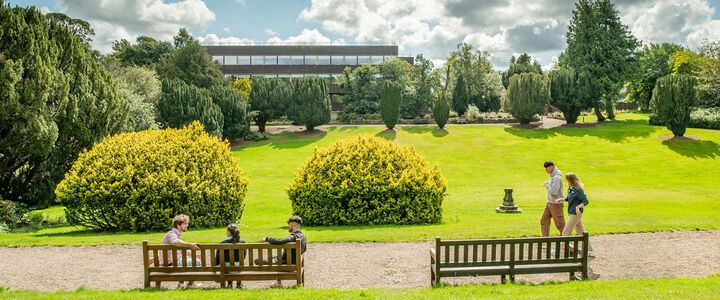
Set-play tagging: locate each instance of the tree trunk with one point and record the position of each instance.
(609, 108)
(599, 115)
(260, 121)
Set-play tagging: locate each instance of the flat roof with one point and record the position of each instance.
(302, 50)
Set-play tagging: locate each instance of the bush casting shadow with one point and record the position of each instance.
(388, 134)
(693, 148)
(613, 131)
(423, 129)
(287, 140)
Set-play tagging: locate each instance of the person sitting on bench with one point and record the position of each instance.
(294, 224)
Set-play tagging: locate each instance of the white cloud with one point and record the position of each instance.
(213, 39)
(116, 19)
(306, 36)
(45, 10)
(270, 32)
(241, 2)
(226, 29)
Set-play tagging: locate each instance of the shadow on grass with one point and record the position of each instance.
(287, 140)
(693, 148)
(434, 130)
(613, 131)
(388, 134)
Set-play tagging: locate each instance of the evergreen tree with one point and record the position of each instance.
(673, 97)
(602, 52)
(56, 99)
(363, 89)
(523, 64)
(441, 111)
(182, 103)
(191, 63)
(654, 62)
(390, 99)
(234, 109)
(563, 89)
(146, 51)
(269, 99)
(311, 102)
(461, 98)
(527, 95)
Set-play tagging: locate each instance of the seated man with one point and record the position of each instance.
(294, 224)
(172, 237)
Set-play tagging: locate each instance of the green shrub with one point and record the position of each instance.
(11, 213)
(33, 219)
(441, 111)
(672, 100)
(139, 181)
(390, 103)
(527, 95)
(563, 92)
(367, 180)
(706, 118)
(473, 114)
(311, 102)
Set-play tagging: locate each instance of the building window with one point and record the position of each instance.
(363, 60)
(296, 75)
(257, 60)
(376, 60)
(337, 60)
(243, 60)
(389, 57)
(218, 59)
(284, 60)
(231, 60)
(351, 60)
(271, 60)
(324, 60)
(298, 60)
(283, 75)
(311, 60)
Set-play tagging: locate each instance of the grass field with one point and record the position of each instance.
(682, 288)
(635, 182)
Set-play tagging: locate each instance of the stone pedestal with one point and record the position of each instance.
(508, 206)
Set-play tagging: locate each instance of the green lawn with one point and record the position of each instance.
(634, 181)
(682, 288)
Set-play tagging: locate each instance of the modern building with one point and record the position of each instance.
(292, 61)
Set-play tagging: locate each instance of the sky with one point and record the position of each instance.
(433, 28)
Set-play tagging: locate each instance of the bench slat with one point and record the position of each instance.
(156, 258)
(174, 257)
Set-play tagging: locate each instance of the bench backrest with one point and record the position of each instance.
(165, 257)
(494, 252)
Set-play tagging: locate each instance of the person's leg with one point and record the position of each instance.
(580, 229)
(545, 221)
(571, 224)
(558, 215)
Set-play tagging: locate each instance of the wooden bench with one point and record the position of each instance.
(509, 257)
(158, 266)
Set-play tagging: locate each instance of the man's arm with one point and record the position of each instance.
(279, 241)
(181, 243)
(555, 185)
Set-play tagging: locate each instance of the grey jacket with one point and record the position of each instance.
(554, 186)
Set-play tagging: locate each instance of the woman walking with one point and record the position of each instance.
(577, 200)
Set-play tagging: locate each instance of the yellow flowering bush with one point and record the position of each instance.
(139, 181)
(367, 180)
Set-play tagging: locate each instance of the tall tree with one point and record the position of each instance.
(563, 89)
(461, 97)
(527, 95)
(269, 99)
(673, 97)
(311, 102)
(146, 51)
(141, 88)
(56, 99)
(709, 80)
(654, 62)
(363, 89)
(191, 63)
(234, 109)
(390, 98)
(602, 51)
(423, 83)
(484, 84)
(522, 64)
(182, 103)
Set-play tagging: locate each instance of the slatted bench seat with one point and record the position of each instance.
(160, 263)
(509, 257)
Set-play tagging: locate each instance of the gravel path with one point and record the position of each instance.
(361, 265)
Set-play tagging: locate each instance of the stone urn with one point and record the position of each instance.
(508, 205)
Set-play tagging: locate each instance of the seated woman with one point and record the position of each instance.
(232, 236)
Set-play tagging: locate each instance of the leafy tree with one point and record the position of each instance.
(527, 95)
(688, 62)
(484, 84)
(441, 111)
(140, 86)
(423, 82)
(190, 63)
(673, 97)
(234, 110)
(390, 99)
(709, 79)
(563, 89)
(460, 99)
(363, 89)
(182, 103)
(653, 63)
(602, 52)
(146, 51)
(523, 64)
(311, 102)
(56, 99)
(243, 86)
(269, 99)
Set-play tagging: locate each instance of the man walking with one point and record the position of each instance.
(554, 211)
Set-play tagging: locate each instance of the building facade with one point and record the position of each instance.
(293, 61)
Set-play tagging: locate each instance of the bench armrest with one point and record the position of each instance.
(432, 256)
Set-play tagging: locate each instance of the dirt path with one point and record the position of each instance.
(361, 265)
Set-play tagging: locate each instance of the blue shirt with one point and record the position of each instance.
(575, 197)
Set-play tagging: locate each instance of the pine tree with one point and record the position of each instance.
(527, 95)
(182, 103)
(673, 97)
(461, 97)
(563, 89)
(311, 102)
(390, 98)
(441, 111)
(269, 99)
(234, 109)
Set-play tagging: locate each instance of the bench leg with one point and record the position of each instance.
(158, 285)
(223, 283)
(503, 279)
(512, 278)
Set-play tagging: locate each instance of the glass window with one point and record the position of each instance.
(363, 60)
(389, 57)
(337, 60)
(218, 58)
(296, 75)
(231, 60)
(271, 60)
(284, 60)
(324, 60)
(258, 60)
(311, 60)
(376, 60)
(243, 60)
(284, 75)
(298, 60)
(351, 60)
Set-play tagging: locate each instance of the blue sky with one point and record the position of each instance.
(433, 28)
